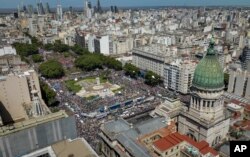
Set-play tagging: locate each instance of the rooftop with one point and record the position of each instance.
(174, 139)
(8, 129)
(127, 134)
(76, 147)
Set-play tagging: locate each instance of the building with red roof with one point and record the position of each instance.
(176, 144)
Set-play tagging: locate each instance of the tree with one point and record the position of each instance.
(112, 63)
(66, 54)
(37, 58)
(34, 40)
(48, 47)
(131, 70)
(48, 94)
(60, 47)
(24, 49)
(152, 79)
(51, 69)
(79, 50)
(89, 62)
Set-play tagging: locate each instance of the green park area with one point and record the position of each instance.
(92, 79)
(72, 86)
(75, 86)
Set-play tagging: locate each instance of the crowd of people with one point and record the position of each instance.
(89, 127)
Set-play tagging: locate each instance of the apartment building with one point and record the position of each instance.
(103, 45)
(20, 93)
(152, 58)
(239, 84)
(178, 75)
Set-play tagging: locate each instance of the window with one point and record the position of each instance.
(177, 147)
(172, 150)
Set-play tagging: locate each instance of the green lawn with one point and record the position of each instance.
(92, 79)
(72, 86)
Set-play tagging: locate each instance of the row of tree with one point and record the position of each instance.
(51, 69)
(150, 77)
(58, 46)
(86, 61)
(54, 69)
(25, 49)
(37, 58)
(48, 94)
(92, 61)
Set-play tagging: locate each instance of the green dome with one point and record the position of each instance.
(208, 73)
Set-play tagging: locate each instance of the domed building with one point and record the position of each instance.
(205, 119)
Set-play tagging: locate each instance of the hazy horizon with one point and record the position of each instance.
(128, 3)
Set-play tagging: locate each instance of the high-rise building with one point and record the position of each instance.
(178, 75)
(71, 10)
(112, 9)
(98, 7)
(115, 9)
(122, 45)
(239, 84)
(40, 9)
(59, 12)
(26, 123)
(47, 8)
(24, 9)
(91, 43)
(32, 26)
(152, 58)
(16, 15)
(102, 44)
(30, 10)
(88, 9)
(205, 118)
(41, 23)
(245, 59)
(17, 92)
(80, 38)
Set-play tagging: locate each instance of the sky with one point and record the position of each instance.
(126, 3)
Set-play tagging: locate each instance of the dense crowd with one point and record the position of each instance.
(88, 127)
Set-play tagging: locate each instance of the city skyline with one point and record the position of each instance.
(130, 3)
